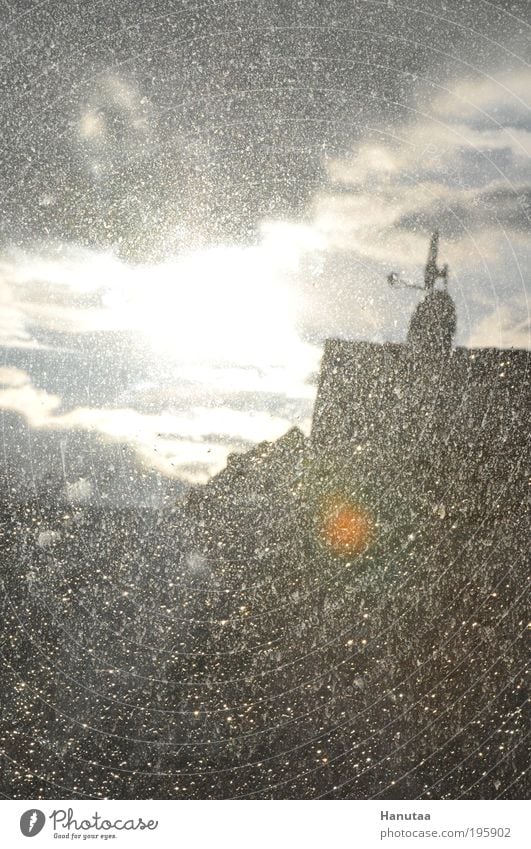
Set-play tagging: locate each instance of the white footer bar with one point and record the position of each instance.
(265, 824)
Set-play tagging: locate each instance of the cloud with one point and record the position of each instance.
(56, 288)
(184, 361)
(214, 304)
(191, 445)
(17, 395)
(448, 166)
(507, 326)
(13, 325)
(461, 167)
(504, 96)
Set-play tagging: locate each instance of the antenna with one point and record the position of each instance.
(432, 272)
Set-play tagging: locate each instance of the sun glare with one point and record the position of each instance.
(222, 305)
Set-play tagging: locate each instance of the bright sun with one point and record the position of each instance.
(222, 305)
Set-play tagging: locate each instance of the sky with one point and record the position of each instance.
(196, 195)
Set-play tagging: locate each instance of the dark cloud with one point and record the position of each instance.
(503, 208)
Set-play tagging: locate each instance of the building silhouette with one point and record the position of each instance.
(397, 638)
(456, 412)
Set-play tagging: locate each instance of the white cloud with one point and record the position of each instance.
(57, 288)
(191, 445)
(507, 326)
(436, 165)
(13, 330)
(503, 95)
(218, 323)
(18, 395)
(462, 168)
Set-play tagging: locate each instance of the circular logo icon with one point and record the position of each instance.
(31, 822)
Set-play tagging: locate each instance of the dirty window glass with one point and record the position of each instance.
(264, 364)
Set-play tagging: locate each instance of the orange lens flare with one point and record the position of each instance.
(346, 527)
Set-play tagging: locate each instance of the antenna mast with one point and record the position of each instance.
(432, 272)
